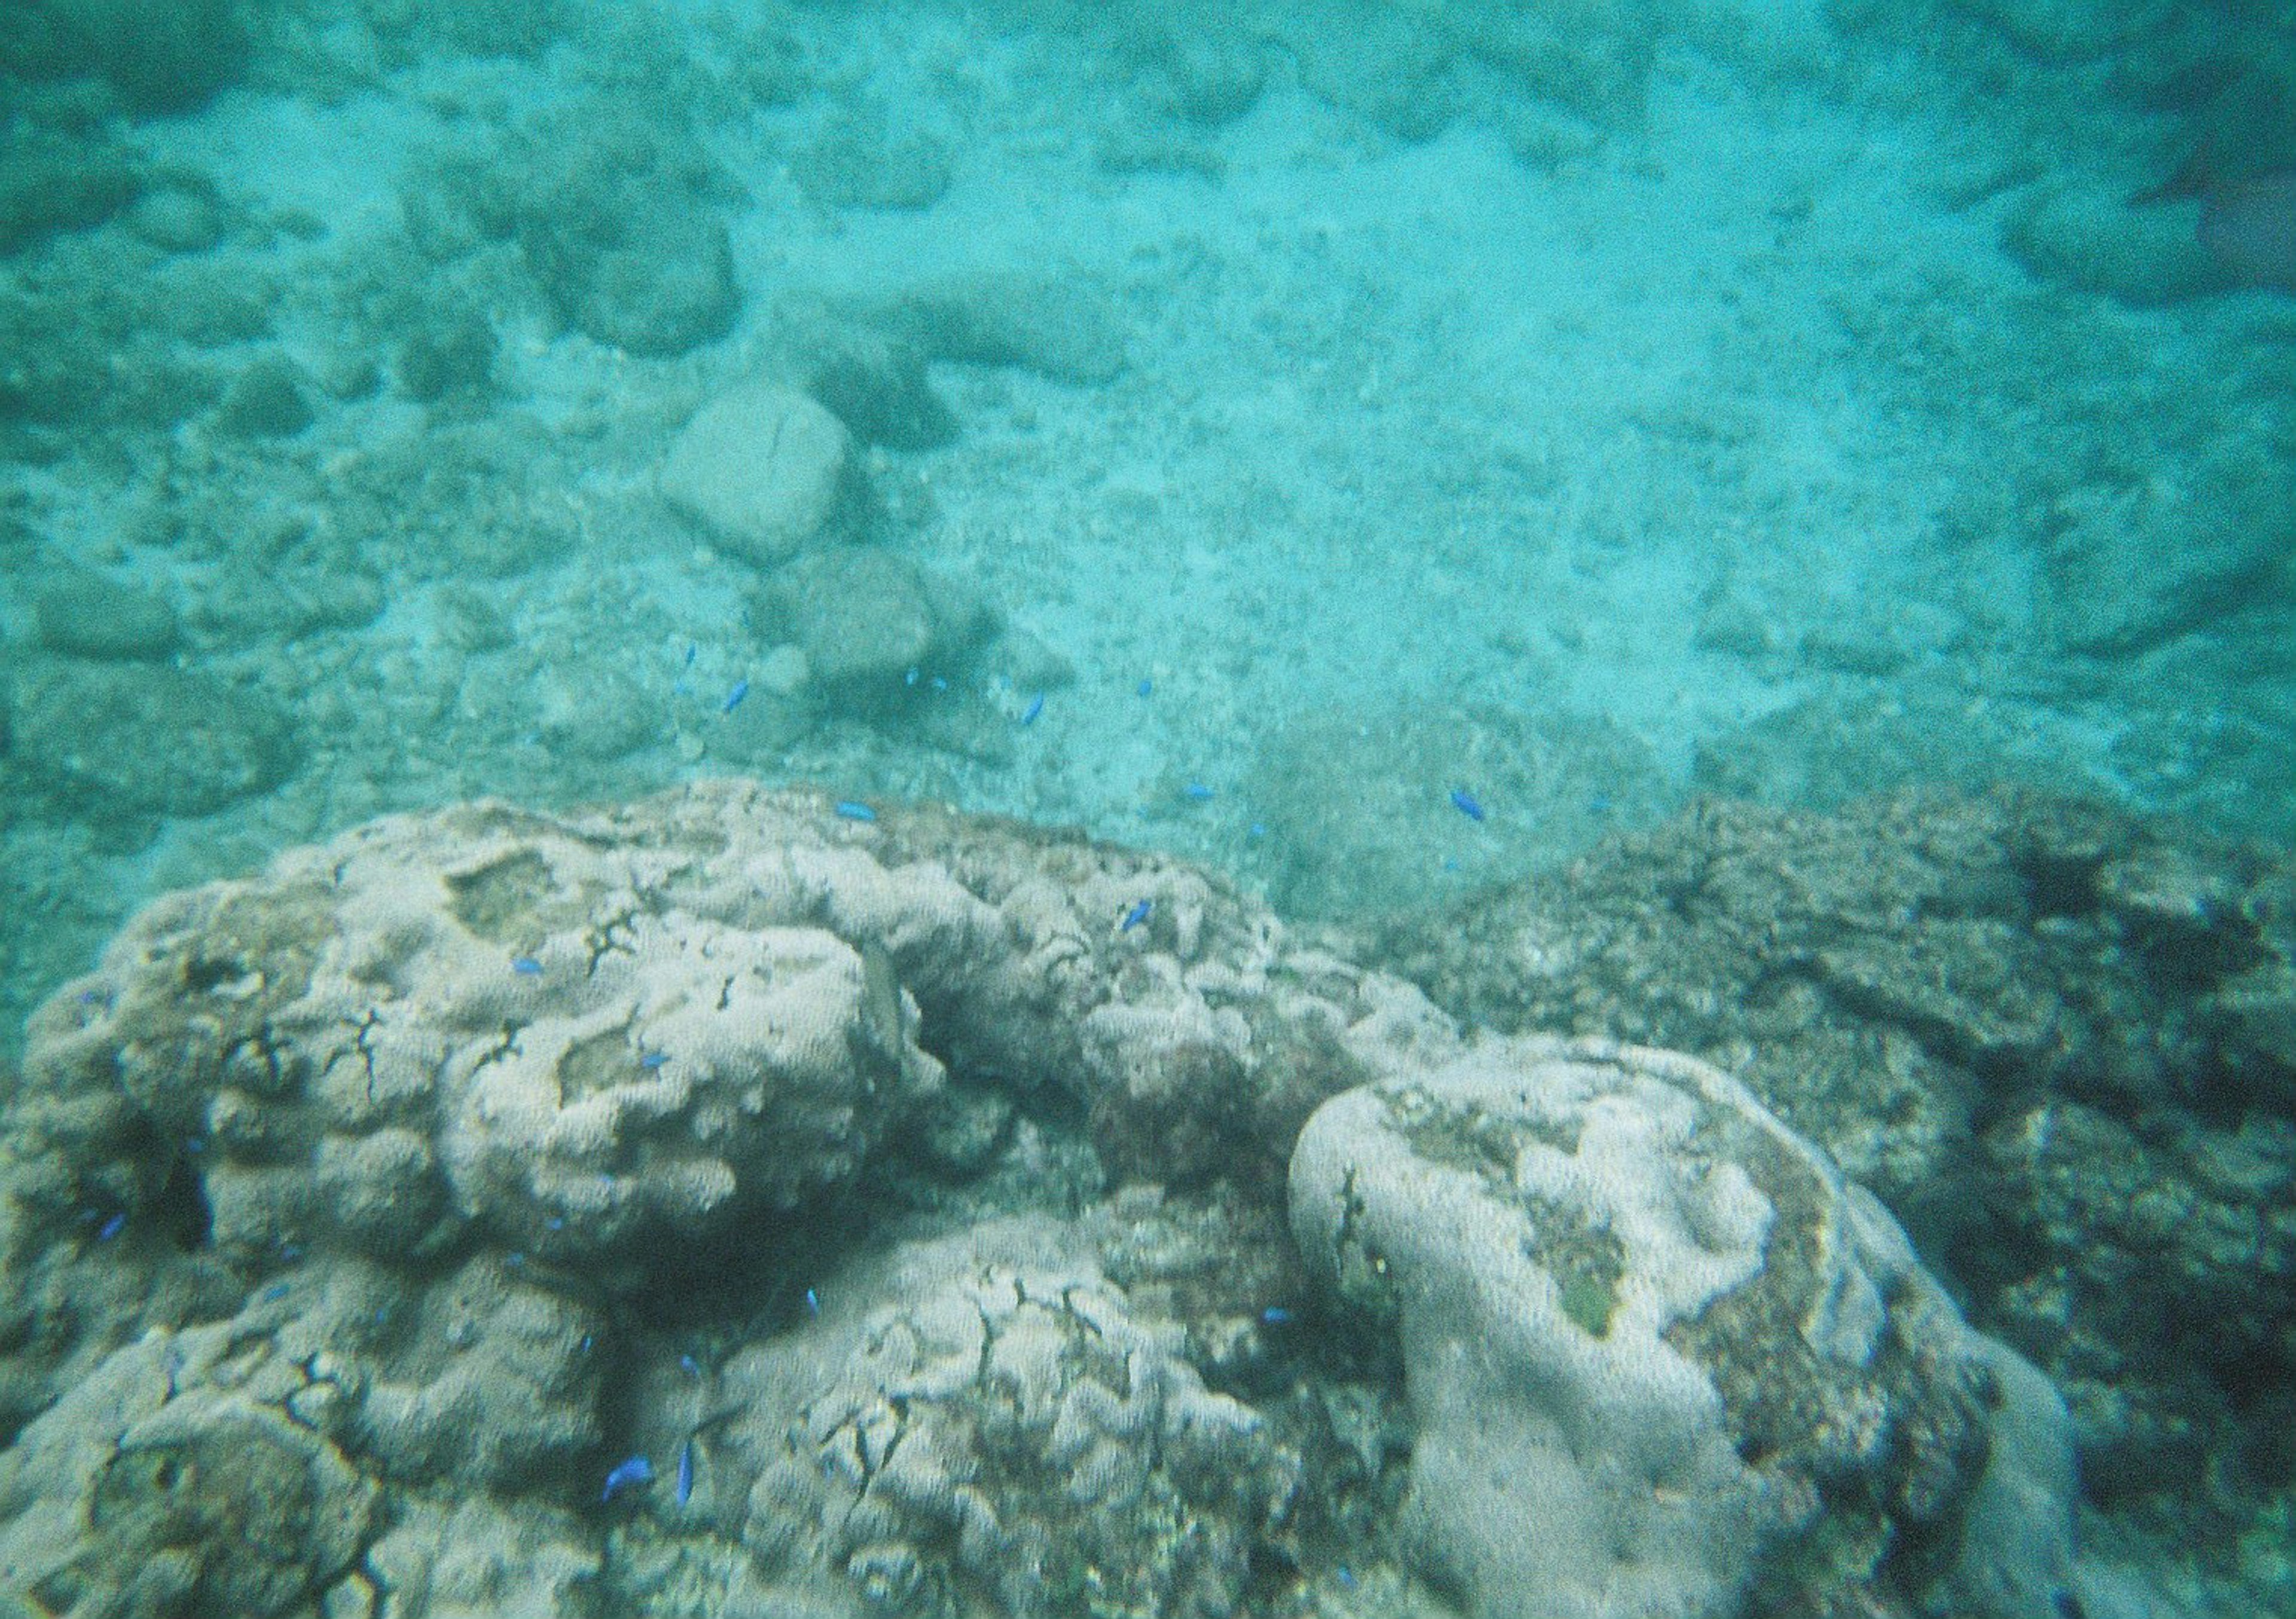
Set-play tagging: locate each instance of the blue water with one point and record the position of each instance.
(1370, 452)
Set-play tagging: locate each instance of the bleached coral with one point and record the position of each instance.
(178, 1480)
(428, 1124)
(480, 1018)
(1657, 1349)
(1009, 1429)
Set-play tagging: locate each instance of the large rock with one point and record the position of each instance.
(652, 283)
(163, 56)
(764, 469)
(870, 624)
(85, 614)
(118, 745)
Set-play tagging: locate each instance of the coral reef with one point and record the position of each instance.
(2051, 1035)
(489, 1205)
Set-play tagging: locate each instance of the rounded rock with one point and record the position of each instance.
(764, 469)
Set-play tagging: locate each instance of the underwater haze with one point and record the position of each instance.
(1386, 809)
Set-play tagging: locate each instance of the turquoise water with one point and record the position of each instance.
(1378, 455)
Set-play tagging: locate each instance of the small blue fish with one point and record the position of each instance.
(1136, 915)
(654, 1060)
(1036, 706)
(273, 1294)
(1146, 687)
(1275, 1315)
(525, 967)
(691, 1365)
(733, 698)
(812, 1302)
(1466, 804)
(853, 809)
(111, 1227)
(692, 651)
(628, 1476)
(685, 1472)
(1197, 790)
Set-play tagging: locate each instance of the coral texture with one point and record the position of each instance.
(1007, 1428)
(470, 1212)
(1654, 1343)
(2051, 1037)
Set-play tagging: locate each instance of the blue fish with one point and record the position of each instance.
(1136, 915)
(628, 1476)
(654, 1060)
(111, 1227)
(1466, 804)
(1036, 706)
(853, 809)
(1275, 1315)
(1197, 790)
(733, 698)
(525, 967)
(812, 1302)
(1146, 688)
(685, 1472)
